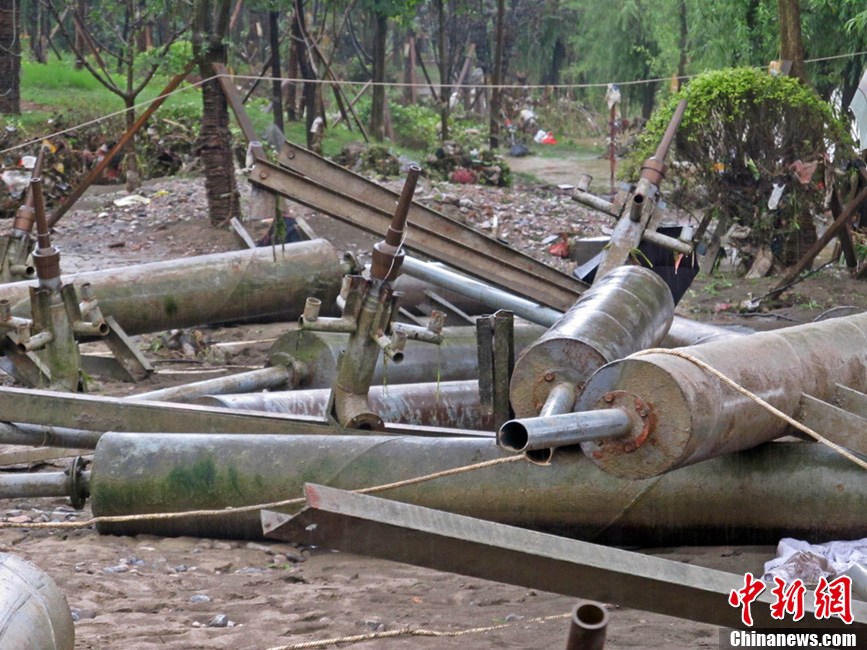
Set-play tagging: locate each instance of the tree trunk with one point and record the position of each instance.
(276, 89)
(410, 92)
(683, 41)
(214, 143)
(497, 77)
(791, 45)
(311, 90)
(445, 73)
(10, 57)
(377, 106)
(292, 72)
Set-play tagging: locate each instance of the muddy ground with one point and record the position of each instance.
(150, 592)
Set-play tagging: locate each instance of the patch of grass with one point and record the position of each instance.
(715, 285)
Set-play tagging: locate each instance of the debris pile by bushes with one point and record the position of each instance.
(373, 159)
(165, 147)
(451, 162)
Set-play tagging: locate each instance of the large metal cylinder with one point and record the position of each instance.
(240, 285)
(453, 404)
(682, 414)
(628, 310)
(454, 360)
(482, 299)
(756, 496)
(34, 614)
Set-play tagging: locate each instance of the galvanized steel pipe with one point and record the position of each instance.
(628, 310)
(589, 623)
(755, 496)
(688, 415)
(487, 295)
(34, 484)
(239, 285)
(452, 404)
(243, 382)
(34, 614)
(551, 431)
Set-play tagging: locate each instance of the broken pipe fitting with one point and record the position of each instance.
(387, 255)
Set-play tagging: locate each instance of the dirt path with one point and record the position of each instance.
(564, 171)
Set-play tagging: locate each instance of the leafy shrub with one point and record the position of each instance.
(744, 130)
(415, 127)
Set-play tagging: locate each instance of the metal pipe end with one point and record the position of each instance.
(540, 456)
(513, 436)
(590, 615)
(587, 627)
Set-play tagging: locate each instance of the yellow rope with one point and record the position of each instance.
(358, 638)
(117, 519)
(758, 400)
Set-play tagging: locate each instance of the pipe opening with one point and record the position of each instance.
(590, 616)
(513, 436)
(103, 328)
(540, 456)
(397, 357)
(638, 198)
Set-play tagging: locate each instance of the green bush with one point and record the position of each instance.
(742, 131)
(415, 127)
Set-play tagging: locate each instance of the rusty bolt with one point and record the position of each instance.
(263, 173)
(629, 447)
(549, 376)
(609, 397)
(644, 411)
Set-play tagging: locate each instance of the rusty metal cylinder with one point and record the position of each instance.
(452, 404)
(453, 360)
(682, 414)
(629, 309)
(239, 285)
(756, 496)
(34, 614)
(588, 625)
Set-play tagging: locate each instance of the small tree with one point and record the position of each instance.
(10, 57)
(118, 31)
(743, 132)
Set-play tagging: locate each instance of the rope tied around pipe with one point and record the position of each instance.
(758, 400)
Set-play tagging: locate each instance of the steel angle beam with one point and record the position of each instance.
(100, 413)
(391, 530)
(329, 188)
(836, 424)
(851, 400)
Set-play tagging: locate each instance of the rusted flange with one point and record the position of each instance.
(641, 415)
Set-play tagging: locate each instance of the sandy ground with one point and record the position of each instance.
(149, 592)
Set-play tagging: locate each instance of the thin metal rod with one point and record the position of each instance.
(244, 382)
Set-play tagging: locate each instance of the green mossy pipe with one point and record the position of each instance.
(780, 489)
(267, 282)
